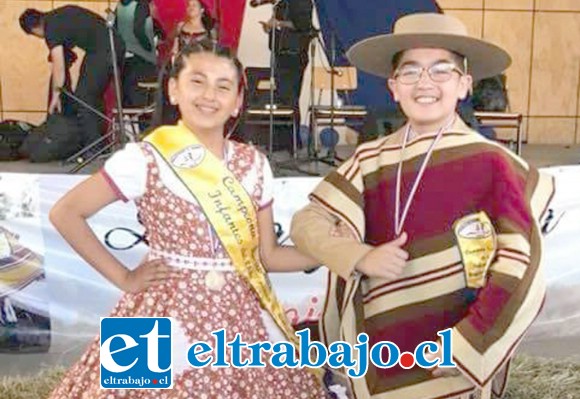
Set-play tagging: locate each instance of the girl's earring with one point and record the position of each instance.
(235, 113)
(172, 101)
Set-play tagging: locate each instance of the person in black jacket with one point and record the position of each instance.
(63, 29)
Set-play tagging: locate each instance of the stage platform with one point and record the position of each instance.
(539, 155)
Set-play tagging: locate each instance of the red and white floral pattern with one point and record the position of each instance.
(177, 226)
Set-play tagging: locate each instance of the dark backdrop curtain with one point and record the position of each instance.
(352, 20)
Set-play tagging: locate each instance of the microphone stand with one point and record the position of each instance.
(116, 75)
(313, 148)
(215, 34)
(272, 80)
(79, 156)
(331, 153)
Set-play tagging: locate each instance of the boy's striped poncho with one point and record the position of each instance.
(465, 174)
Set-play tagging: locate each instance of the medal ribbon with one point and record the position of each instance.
(400, 219)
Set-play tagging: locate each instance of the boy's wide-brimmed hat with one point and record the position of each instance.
(427, 30)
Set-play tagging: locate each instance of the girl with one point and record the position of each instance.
(200, 270)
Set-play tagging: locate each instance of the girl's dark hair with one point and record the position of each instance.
(204, 45)
(168, 114)
(207, 21)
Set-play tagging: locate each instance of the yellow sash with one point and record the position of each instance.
(227, 206)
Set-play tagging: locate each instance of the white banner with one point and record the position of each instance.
(51, 301)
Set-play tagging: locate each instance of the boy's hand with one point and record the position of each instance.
(386, 261)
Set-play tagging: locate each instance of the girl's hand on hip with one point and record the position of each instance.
(147, 274)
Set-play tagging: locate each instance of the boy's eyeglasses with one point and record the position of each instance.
(439, 73)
